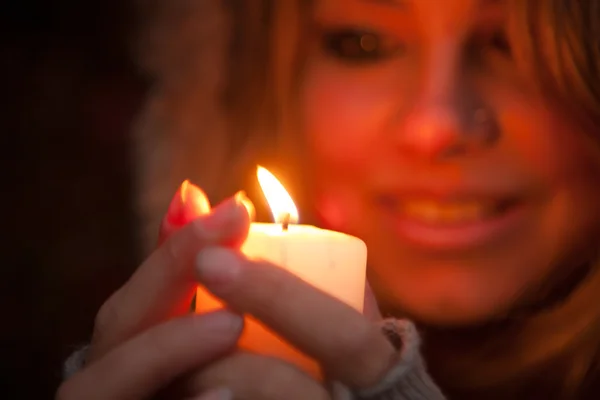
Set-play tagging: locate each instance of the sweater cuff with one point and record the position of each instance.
(75, 362)
(407, 379)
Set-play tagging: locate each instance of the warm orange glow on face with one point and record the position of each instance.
(279, 200)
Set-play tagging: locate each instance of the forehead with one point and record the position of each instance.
(406, 4)
(442, 14)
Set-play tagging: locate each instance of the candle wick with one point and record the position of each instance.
(285, 221)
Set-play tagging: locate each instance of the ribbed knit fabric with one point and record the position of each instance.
(408, 379)
(75, 362)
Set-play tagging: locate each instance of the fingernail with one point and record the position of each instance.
(216, 266)
(194, 199)
(221, 321)
(188, 203)
(216, 394)
(241, 198)
(224, 213)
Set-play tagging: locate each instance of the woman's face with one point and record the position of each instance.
(468, 187)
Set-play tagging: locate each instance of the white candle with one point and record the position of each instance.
(331, 261)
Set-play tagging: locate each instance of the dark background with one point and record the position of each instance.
(70, 92)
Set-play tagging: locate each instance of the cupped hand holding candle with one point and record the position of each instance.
(145, 327)
(303, 291)
(331, 262)
(136, 335)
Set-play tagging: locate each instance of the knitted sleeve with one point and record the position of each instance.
(408, 379)
(75, 362)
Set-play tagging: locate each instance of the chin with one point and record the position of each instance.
(448, 296)
(442, 312)
(454, 316)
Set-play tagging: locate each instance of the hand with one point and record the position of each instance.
(349, 347)
(143, 338)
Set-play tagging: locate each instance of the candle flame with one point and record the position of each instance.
(279, 200)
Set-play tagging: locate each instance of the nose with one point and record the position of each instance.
(432, 131)
(437, 123)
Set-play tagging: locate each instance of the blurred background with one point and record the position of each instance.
(70, 92)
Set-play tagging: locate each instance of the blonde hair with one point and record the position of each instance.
(226, 74)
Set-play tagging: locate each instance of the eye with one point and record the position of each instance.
(359, 46)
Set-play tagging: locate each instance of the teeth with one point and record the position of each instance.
(433, 212)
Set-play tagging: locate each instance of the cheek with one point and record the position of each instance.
(538, 139)
(544, 146)
(343, 118)
(549, 146)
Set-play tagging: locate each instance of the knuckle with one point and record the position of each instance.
(354, 343)
(280, 380)
(254, 376)
(360, 365)
(273, 285)
(172, 250)
(107, 316)
(161, 340)
(176, 255)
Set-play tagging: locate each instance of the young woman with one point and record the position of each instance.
(457, 138)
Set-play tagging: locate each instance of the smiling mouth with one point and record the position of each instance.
(459, 224)
(452, 213)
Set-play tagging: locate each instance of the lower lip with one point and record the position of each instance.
(456, 237)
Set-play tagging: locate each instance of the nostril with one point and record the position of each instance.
(485, 129)
(432, 133)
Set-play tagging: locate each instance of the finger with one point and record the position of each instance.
(252, 377)
(349, 346)
(215, 394)
(189, 203)
(371, 308)
(164, 284)
(143, 365)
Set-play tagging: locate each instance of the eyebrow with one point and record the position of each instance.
(391, 2)
(395, 3)
(404, 3)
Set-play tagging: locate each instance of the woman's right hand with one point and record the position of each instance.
(144, 336)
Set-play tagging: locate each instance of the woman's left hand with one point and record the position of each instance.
(350, 348)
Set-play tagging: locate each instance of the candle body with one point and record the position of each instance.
(331, 261)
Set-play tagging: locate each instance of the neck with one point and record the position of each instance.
(458, 356)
